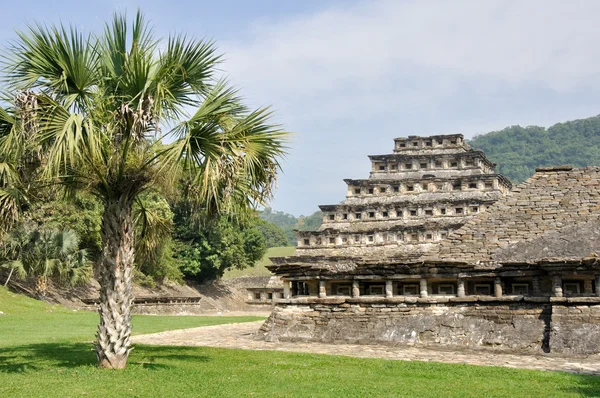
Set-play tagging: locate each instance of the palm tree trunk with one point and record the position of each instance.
(9, 276)
(116, 275)
(41, 286)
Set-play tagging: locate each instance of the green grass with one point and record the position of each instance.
(67, 370)
(39, 366)
(29, 321)
(259, 269)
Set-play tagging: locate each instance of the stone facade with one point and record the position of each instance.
(521, 272)
(511, 323)
(555, 201)
(265, 291)
(412, 199)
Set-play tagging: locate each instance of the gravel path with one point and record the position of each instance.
(241, 336)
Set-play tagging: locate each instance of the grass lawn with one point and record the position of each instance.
(31, 321)
(45, 354)
(259, 269)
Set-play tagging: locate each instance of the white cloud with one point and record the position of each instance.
(394, 67)
(355, 49)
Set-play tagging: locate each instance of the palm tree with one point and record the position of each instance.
(45, 253)
(93, 110)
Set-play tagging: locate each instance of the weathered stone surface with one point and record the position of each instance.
(522, 273)
(241, 336)
(546, 216)
(412, 199)
(573, 241)
(500, 326)
(531, 327)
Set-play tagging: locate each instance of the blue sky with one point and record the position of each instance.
(346, 77)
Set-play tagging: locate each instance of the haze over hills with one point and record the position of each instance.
(517, 151)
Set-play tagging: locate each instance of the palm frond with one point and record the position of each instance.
(66, 241)
(56, 59)
(12, 200)
(152, 228)
(16, 268)
(7, 122)
(230, 155)
(184, 72)
(127, 62)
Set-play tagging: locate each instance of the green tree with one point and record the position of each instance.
(287, 222)
(519, 150)
(82, 214)
(45, 253)
(154, 224)
(204, 251)
(273, 235)
(92, 109)
(310, 223)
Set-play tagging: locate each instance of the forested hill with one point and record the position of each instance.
(519, 150)
(288, 223)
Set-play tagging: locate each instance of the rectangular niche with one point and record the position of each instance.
(410, 290)
(300, 288)
(446, 289)
(343, 290)
(376, 290)
(572, 288)
(521, 289)
(482, 289)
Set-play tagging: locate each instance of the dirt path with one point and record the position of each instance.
(241, 336)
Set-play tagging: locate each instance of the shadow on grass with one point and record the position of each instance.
(32, 357)
(22, 358)
(586, 386)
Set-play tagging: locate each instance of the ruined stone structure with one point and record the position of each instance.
(265, 290)
(434, 248)
(413, 198)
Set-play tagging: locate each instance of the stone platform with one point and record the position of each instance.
(242, 336)
(520, 324)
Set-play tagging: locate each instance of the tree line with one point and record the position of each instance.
(289, 223)
(519, 150)
(190, 248)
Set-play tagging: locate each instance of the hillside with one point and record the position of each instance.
(24, 320)
(259, 269)
(225, 295)
(519, 150)
(288, 222)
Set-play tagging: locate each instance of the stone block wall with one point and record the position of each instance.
(533, 327)
(576, 328)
